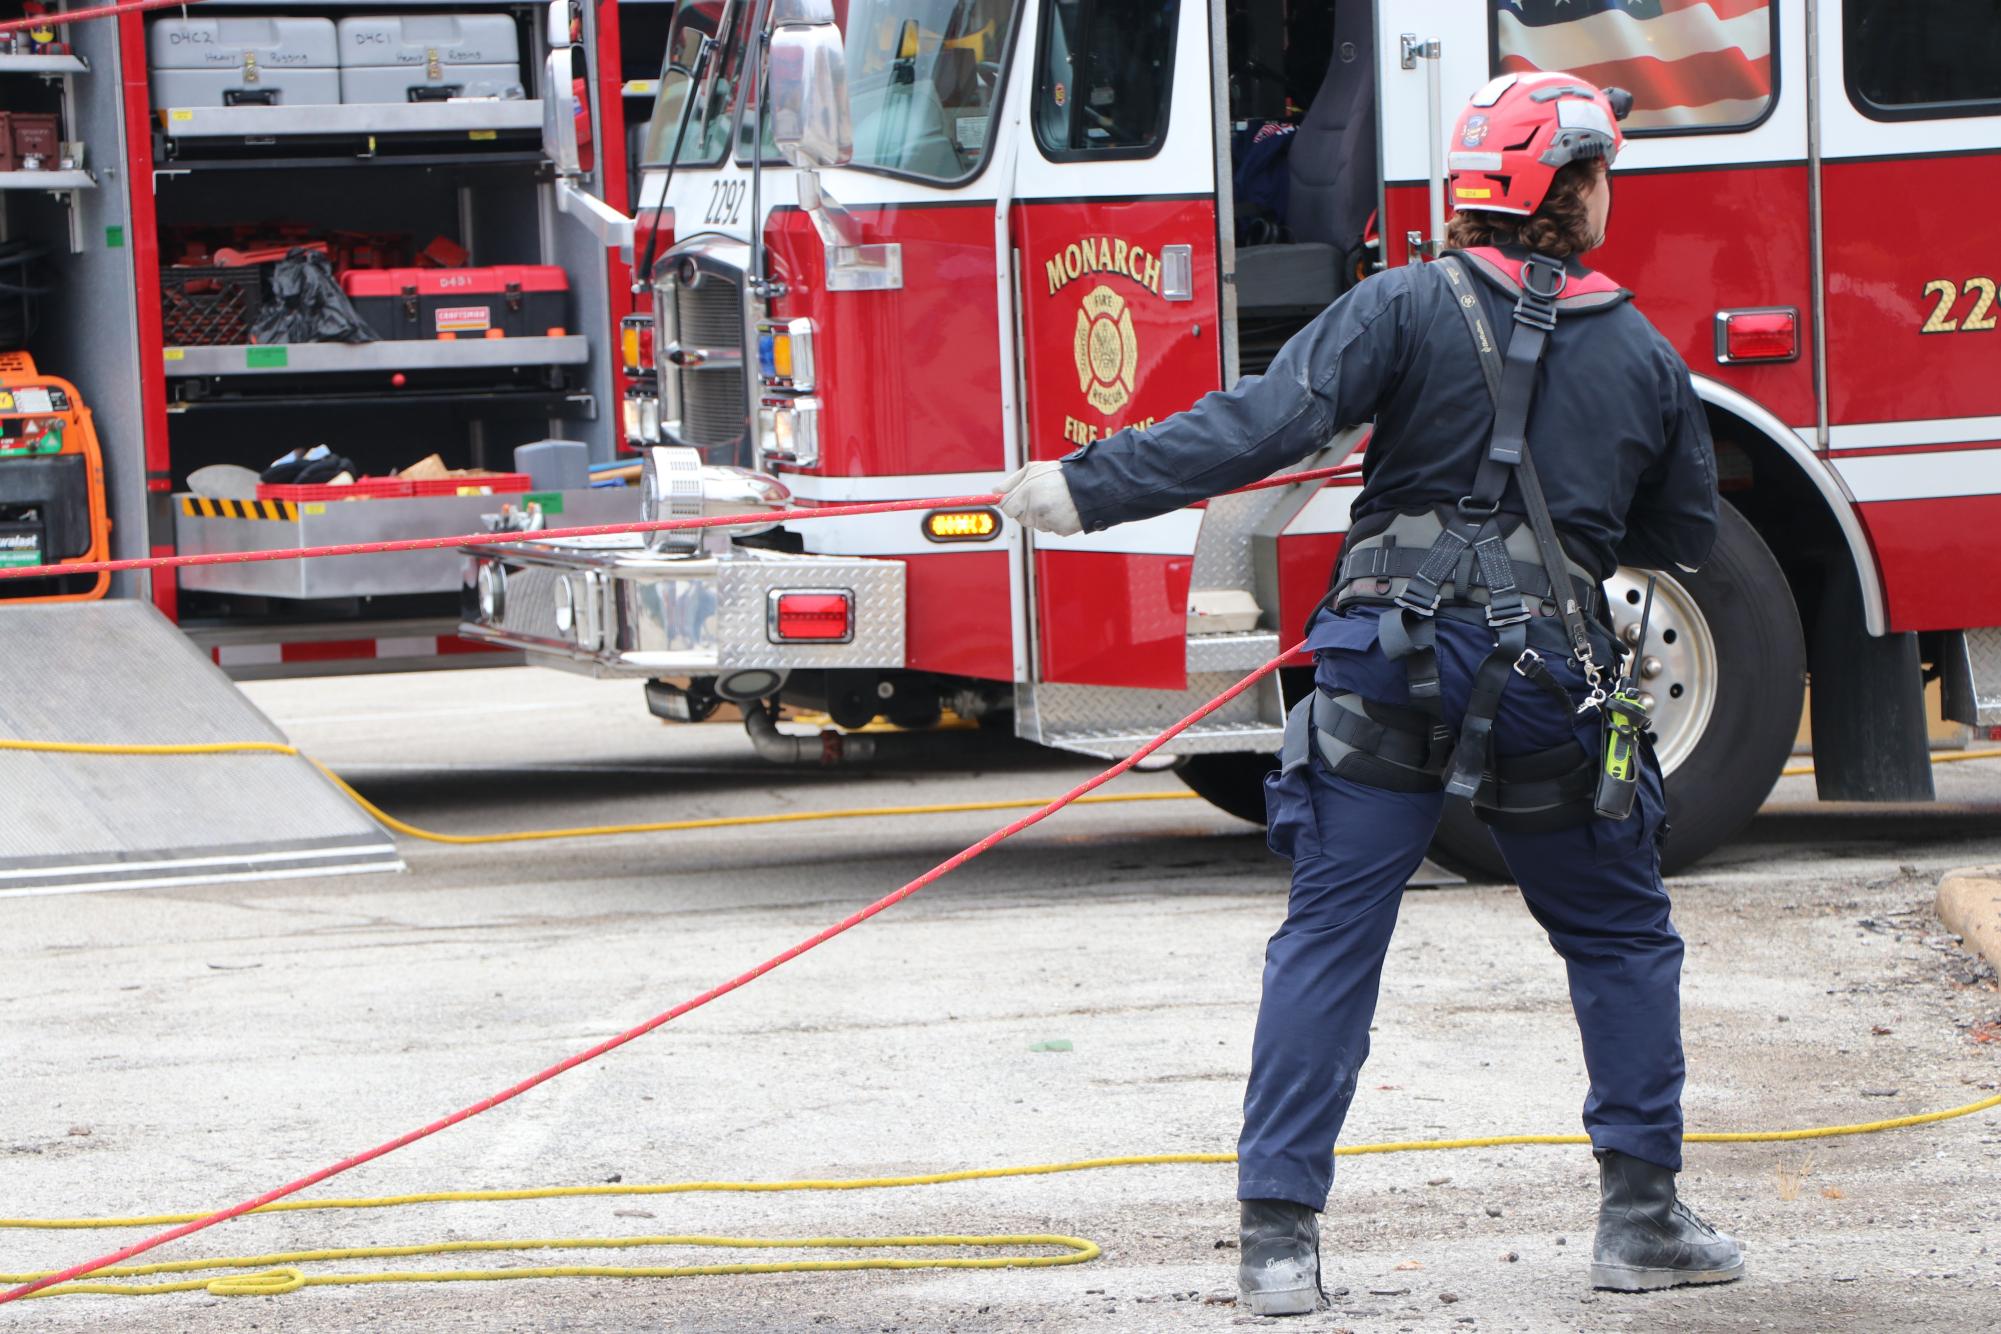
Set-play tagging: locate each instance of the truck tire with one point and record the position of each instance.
(1232, 781)
(1729, 690)
(1721, 748)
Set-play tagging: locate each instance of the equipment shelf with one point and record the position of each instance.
(255, 122)
(287, 524)
(47, 180)
(32, 64)
(389, 355)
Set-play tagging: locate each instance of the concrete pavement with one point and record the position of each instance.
(185, 1049)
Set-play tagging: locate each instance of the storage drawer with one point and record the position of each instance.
(407, 83)
(237, 43)
(429, 39)
(241, 87)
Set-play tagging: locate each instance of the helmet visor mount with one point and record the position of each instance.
(1583, 131)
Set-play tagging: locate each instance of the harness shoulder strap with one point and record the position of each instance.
(1511, 383)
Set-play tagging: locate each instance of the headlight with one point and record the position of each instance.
(785, 354)
(789, 431)
(642, 419)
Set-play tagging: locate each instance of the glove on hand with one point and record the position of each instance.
(1037, 497)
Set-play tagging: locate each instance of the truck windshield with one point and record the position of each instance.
(924, 82)
(708, 131)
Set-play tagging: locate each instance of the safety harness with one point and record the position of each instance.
(1470, 562)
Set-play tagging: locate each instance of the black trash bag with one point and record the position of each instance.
(307, 305)
(304, 467)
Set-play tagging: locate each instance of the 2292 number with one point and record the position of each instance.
(725, 202)
(1944, 294)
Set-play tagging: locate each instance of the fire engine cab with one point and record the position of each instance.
(953, 236)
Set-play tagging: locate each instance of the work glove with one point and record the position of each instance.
(1037, 497)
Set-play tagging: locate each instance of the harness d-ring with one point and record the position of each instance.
(1531, 266)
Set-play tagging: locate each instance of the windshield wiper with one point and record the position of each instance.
(643, 275)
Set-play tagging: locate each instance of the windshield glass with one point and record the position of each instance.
(708, 123)
(924, 81)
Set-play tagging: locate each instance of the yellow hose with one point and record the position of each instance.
(409, 830)
(390, 822)
(1938, 757)
(278, 1272)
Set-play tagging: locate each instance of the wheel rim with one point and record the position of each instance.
(1678, 669)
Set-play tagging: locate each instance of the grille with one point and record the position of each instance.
(710, 316)
(712, 411)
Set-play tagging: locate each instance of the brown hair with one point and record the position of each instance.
(1560, 228)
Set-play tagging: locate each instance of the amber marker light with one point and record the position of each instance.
(980, 525)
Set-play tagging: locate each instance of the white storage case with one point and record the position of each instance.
(244, 62)
(428, 57)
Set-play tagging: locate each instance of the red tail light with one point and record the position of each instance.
(1757, 335)
(819, 616)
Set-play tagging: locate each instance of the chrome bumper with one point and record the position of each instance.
(613, 607)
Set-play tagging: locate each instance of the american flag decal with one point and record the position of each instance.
(1686, 62)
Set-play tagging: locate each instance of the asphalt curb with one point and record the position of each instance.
(1969, 903)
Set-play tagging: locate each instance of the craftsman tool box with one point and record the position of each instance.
(279, 61)
(429, 57)
(508, 300)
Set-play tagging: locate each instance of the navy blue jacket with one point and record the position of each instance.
(1621, 445)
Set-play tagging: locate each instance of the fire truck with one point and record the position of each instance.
(954, 236)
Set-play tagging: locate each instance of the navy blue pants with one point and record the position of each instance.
(1596, 889)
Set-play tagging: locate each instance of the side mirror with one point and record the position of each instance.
(559, 112)
(558, 27)
(808, 83)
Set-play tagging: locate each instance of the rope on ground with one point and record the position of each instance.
(742, 979)
(279, 1273)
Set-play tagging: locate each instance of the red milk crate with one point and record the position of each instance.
(362, 488)
(499, 484)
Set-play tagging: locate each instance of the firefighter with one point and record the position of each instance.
(1463, 647)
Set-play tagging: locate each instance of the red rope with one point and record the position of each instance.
(93, 12)
(640, 1030)
(556, 534)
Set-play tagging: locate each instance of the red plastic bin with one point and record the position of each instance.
(366, 488)
(500, 484)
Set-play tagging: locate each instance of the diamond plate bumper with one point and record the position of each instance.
(1970, 663)
(611, 606)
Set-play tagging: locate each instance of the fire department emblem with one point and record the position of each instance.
(1476, 132)
(1107, 350)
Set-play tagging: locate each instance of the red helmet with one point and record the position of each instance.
(1521, 128)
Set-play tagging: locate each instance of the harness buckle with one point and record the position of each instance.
(1473, 509)
(1529, 658)
(1420, 605)
(1540, 314)
(1507, 609)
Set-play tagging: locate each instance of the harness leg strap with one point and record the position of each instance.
(1378, 745)
(1472, 760)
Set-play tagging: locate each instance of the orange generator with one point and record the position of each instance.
(52, 507)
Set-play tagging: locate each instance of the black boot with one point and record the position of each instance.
(1279, 1272)
(1647, 1238)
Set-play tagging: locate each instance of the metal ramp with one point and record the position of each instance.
(119, 673)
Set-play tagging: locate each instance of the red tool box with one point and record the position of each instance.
(509, 300)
